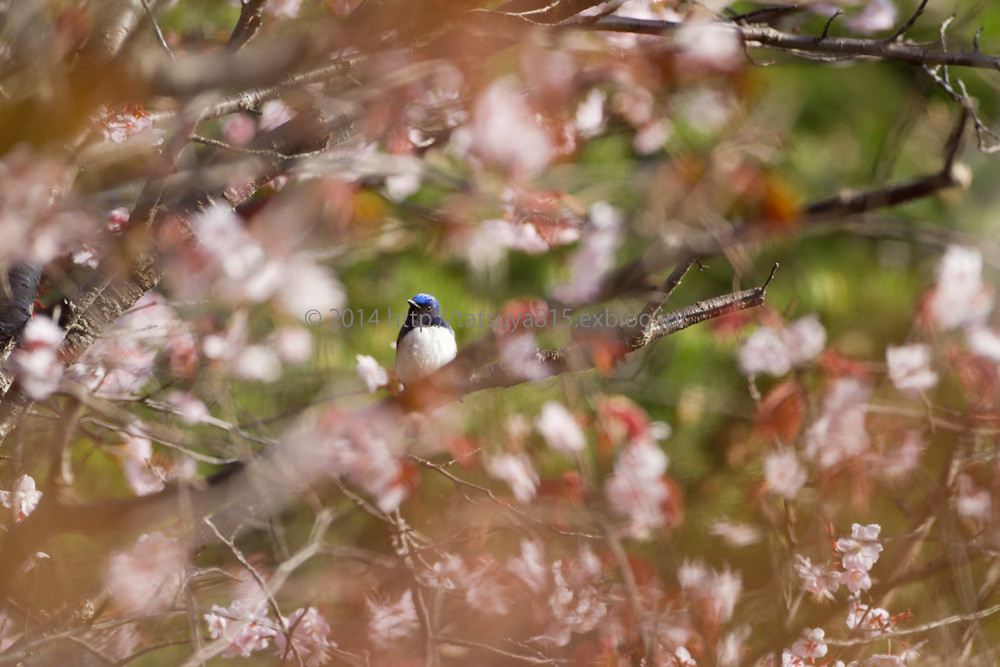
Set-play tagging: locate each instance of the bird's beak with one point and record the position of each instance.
(410, 301)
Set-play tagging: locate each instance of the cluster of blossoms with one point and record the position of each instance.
(775, 351)
(302, 636)
(858, 554)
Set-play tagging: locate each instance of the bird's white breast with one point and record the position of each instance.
(424, 350)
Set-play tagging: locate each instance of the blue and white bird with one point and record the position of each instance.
(426, 342)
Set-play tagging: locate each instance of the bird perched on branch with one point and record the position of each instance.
(425, 342)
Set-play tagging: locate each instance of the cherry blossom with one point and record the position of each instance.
(861, 550)
(531, 567)
(856, 580)
(36, 360)
(393, 621)
(636, 487)
(308, 631)
(517, 472)
(192, 410)
(811, 646)
(246, 625)
(874, 621)
(273, 114)
(984, 342)
(719, 589)
(820, 580)
(595, 257)
(238, 129)
(22, 499)
(573, 610)
(736, 534)
(147, 577)
(961, 299)
(294, 345)
(784, 474)
(840, 434)
(367, 461)
(117, 219)
(972, 502)
(590, 118)
(909, 368)
(877, 15)
(560, 429)
(775, 352)
(505, 132)
(373, 375)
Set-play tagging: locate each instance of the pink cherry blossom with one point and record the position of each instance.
(574, 610)
(22, 499)
(517, 472)
(861, 550)
(984, 342)
(734, 533)
(36, 360)
(273, 114)
(775, 352)
(811, 646)
(531, 567)
(856, 580)
(392, 621)
(784, 474)
(560, 429)
(308, 631)
(764, 353)
(820, 580)
(636, 487)
(117, 219)
(909, 368)
(294, 345)
(840, 434)
(590, 117)
(239, 129)
(373, 375)
(147, 577)
(877, 15)
(244, 624)
(971, 501)
(506, 132)
(961, 299)
(192, 410)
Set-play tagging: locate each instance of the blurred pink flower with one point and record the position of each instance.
(254, 628)
(961, 299)
(877, 15)
(560, 429)
(910, 368)
(239, 129)
(531, 567)
(840, 434)
(636, 487)
(390, 622)
(784, 474)
(505, 132)
(516, 471)
(373, 375)
(36, 360)
(309, 643)
(147, 577)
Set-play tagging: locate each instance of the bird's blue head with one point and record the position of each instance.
(425, 303)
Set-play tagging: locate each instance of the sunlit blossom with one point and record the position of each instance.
(784, 474)
(373, 375)
(560, 429)
(517, 472)
(147, 576)
(909, 368)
